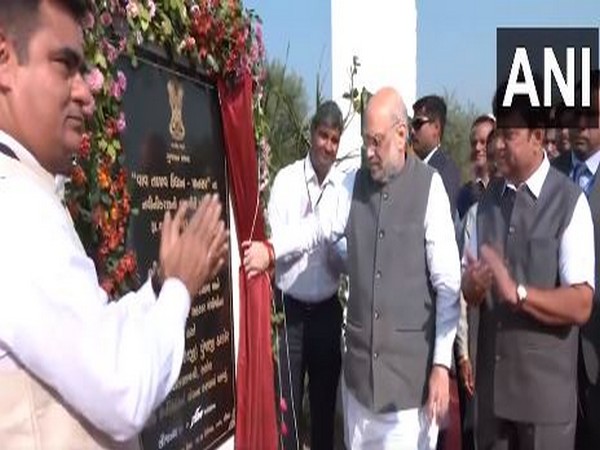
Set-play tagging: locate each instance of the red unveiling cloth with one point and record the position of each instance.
(255, 411)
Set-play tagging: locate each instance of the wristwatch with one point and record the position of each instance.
(521, 295)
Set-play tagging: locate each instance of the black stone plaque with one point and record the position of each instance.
(175, 151)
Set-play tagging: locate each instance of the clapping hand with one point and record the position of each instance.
(194, 253)
(505, 285)
(476, 280)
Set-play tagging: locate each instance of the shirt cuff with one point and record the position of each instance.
(173, 307)
(461, 353)
(147, 293)
(442, 354)
(146, 289)
(176, 296)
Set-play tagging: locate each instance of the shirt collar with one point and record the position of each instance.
(536, 179)
(430, 155)
(311, 176)
(479, 180)
(592, 162)
(27, 159)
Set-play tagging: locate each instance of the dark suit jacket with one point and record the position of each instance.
(449, 173)
(590, 332)
(469, 194)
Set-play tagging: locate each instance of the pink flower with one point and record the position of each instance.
(111, 52)
(95, 80)
(254, 52)
(190, 42)
(151, 8)
(105, 19)
(132, 9)
(88, 21)
(121, 122)
(122, 80)
(258, 31)
(282, 404)
(284, 429)
(115, 90)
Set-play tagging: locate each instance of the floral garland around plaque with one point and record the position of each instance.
(219, 36)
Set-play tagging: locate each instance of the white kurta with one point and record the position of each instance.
(409, 429)
(112, 363)
(406, 429)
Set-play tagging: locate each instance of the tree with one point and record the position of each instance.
(457, 132)
(286, 107)
(286, 111)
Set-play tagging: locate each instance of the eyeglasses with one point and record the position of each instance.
(376, 140)
(418, 122)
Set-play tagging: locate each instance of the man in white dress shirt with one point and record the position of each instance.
(307, 285)
(76, 371)
(404, 274)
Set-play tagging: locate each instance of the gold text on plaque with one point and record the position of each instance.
(176, 127)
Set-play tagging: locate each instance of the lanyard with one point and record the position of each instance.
(312, 208)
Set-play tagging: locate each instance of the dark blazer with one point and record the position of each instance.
(450, 174)
(469, 194)
(590, 332)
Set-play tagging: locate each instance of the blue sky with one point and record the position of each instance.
(456, 50)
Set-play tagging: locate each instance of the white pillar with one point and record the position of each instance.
(383, 35)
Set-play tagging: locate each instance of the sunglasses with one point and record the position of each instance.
(418, 122)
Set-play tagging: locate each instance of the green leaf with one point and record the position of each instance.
(111, 151)
(94, 196)
(183, 12)
(100, 60)
(167, 26)
(144, 14)
(212, 62)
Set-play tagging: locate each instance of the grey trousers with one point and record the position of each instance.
(509, 435)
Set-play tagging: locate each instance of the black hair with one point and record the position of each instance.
(328, 115)
(19, 19)
(520, 114)
(435, 108)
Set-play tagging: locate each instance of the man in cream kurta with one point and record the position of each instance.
(76, 372)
